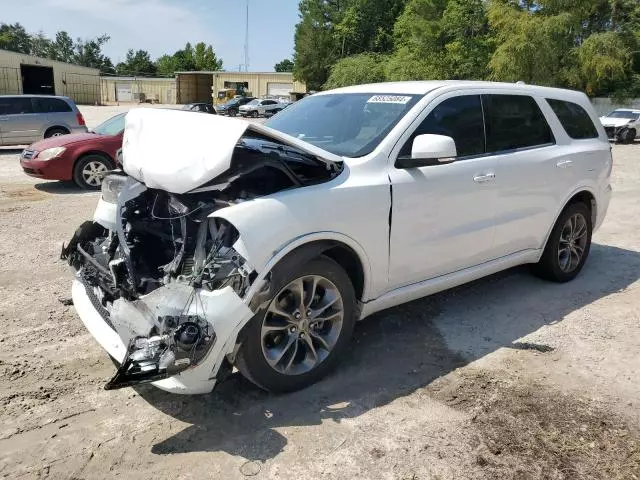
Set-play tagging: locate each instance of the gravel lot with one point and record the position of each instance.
(507, 377)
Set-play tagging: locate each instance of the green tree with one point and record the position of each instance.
(62, 48)
(332, 29)
(165, 65)
(285, 65)
(137, 63)
(356, 70)
(15, 38)
(40, 46)
(419, 42)
(531, 46)
(604, 63)
(205, 58)
(88, 53)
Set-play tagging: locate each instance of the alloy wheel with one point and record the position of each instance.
(93, 172)
(302, 325)
(573, 241)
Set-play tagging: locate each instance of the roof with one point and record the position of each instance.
(632, 110)
(137, 78)
(426, 86)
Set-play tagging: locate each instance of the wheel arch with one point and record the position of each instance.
(56, 127)
(582, 194)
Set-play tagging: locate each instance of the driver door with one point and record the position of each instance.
(443, 215)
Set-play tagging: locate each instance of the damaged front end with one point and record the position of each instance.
(163, 273)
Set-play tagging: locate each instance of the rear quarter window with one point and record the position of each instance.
(51, 105)
(574, 119)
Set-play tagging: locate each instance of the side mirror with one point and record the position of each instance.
(429, 150)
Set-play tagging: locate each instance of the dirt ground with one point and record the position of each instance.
(508, 377)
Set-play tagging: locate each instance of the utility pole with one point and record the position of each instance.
(246, 41)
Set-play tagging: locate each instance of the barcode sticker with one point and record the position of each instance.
(389, 99)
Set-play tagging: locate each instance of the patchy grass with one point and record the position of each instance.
(530, 432)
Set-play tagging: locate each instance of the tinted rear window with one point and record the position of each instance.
(514, 121)
(574, 119)
(51, 105)
(15, 105)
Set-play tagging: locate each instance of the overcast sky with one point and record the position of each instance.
(163, 26)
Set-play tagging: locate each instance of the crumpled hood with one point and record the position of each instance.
(614, 122)
(177, 151)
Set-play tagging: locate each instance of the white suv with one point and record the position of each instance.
(622, 125)
(226, 243)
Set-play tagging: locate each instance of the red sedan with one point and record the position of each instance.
(81, 157)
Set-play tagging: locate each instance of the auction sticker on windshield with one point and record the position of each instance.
(389, 99)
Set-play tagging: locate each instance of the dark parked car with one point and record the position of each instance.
(28, 118)
(232, 107)
(83, 157)
(199, 107)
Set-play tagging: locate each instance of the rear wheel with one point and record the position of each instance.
(304, 331)
(89, 171)
(55, 132)
(568, 245)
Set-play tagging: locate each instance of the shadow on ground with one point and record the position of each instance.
(61, 188)
(394, 353)
(5, 151)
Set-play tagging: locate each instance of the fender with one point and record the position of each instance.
(299, 242)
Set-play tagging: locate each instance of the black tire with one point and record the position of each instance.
(84, 163)
(549, 266)
(255, 114)
(629, 136)
(251, 361)
(232, 113)
(55, 132)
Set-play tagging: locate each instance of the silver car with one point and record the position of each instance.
(25, 119)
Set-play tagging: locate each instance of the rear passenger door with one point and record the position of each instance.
(19, 124)
(56, 111)
(528, 180)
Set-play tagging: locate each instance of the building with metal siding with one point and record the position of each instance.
(20, 73)
(203, 86)
(138, 89)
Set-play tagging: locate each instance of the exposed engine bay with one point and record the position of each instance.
(150, 271)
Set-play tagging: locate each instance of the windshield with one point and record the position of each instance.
(624, 114)
(254, 102)
(113, 126)
(347, 124)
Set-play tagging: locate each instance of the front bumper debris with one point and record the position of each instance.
(172, 359)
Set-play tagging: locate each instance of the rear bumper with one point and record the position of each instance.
(79, 129)
(603, 205)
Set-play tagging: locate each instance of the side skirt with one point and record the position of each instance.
(444, 282)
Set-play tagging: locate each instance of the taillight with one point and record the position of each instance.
(80, 119)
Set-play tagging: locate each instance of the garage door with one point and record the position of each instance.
(279, 89)
(123, 92)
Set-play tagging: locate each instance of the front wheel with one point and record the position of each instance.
(568, 245)
(90, 170)
(305, 329)
(255, 114)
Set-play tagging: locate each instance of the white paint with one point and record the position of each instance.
(447, 226)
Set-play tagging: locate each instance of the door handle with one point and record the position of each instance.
(565, 164)
(484, 178)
